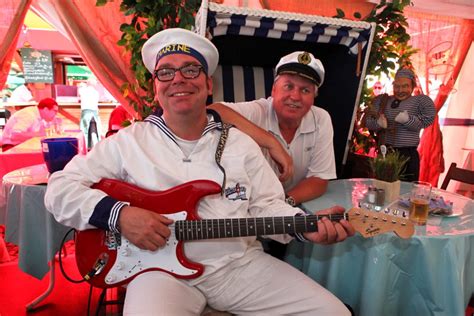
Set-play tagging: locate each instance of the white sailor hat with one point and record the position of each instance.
(180, 41)
(303, 64)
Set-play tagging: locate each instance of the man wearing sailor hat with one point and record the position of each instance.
(183, 144)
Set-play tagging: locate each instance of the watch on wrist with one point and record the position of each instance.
(290, 200)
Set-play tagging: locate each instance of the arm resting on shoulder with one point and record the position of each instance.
(263, 138)
(308, 189)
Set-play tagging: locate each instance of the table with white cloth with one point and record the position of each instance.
(29, 225)
(432, 273)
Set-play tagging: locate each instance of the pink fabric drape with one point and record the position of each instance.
(12, 14)
(443, 44)
(323, 7)
(95, 32)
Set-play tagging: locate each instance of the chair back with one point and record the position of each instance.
(458, 174)
(251, 42)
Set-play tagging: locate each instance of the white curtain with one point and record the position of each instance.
(461, 106)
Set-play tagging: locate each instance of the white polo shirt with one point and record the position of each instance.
(312, 147)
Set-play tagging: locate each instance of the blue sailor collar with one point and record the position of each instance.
(213, 122)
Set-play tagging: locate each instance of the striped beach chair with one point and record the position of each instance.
(251, 41)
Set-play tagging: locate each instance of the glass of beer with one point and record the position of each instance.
(420, 202)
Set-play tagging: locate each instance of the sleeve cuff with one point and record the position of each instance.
(299, 236)
(106, 214)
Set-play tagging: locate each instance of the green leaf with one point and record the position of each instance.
(100, 3)
(340, 14)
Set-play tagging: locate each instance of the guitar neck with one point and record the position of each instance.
(243, 227)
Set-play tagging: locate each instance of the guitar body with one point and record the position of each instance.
(124, 261)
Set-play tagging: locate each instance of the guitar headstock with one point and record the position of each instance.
(370, 223)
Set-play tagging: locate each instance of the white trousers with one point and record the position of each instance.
(264, 286)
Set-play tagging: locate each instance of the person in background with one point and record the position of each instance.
(377, 88)
(89, 98)
(402, 117)
(179, 143)
(32, 121)
(304, 130)
(22, 94)
(5, 93)
(118, 117)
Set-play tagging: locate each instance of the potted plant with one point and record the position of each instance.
(387, 169)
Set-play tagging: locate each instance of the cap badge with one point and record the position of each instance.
(304, 58)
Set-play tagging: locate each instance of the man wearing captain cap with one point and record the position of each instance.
(289, 115)
(185, 143)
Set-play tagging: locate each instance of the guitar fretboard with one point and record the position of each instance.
(242, 227)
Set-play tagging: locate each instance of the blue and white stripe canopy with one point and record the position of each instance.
(227, 20)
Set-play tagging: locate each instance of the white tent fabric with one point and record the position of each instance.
(458, 132)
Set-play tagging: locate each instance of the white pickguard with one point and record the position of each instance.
(132, 260)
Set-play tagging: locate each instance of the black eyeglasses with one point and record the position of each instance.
(395, 104)
(188, 72)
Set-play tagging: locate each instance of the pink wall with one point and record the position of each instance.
(47, 40)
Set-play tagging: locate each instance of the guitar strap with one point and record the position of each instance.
(220, 150)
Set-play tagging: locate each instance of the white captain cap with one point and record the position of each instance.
(180, 41)
(303, 64)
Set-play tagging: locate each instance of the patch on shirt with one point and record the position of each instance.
(236, 193)
(308, 148)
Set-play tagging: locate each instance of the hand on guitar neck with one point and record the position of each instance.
(149, 230)
(146, 230)
(329, 231)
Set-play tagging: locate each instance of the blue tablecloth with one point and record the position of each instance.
(28, 224)
(430, 274)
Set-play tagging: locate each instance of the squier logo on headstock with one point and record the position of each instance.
(369, 223)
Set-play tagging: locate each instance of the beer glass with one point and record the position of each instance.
(420, 202)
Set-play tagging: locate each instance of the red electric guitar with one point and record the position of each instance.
(108, 259)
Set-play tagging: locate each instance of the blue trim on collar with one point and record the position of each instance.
(213, 122)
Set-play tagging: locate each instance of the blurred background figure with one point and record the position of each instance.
(22, 94)
(118, 119)
(377, 89)
(5, 93)
(89, 97)
(32, 121)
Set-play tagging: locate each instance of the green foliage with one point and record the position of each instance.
(388, 168)
(152, 16)
(391, 38)
(148, 18)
